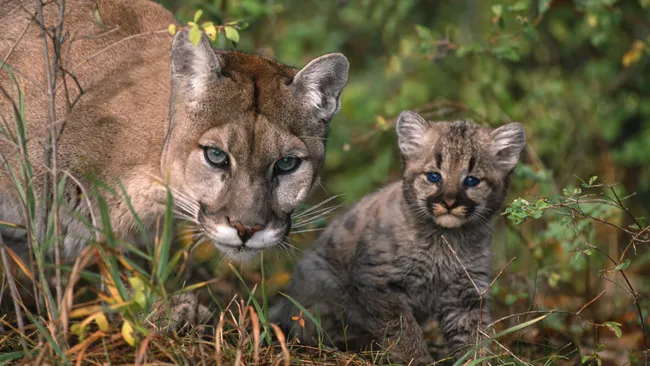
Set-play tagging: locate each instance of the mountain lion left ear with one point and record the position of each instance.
(507, 143)
(321, 82)
(192, 67)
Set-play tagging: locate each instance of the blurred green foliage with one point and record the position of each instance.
(574, 72)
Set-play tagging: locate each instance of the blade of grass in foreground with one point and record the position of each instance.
(251, 298)
(517, 327)
(311, 317)
(164, 247)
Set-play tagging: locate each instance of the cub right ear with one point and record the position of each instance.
(193, 67)
(411, 128)
(321, 82)
(507, 143)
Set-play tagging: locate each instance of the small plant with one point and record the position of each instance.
(230, 30)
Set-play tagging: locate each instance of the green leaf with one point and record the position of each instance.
(510, 299)
(543, 6)
(497, 10)
(197, 15)
(97, 18)
(423, 32)
(530, 33)
(232, 34)
(195, 35)
(585, 358)
(479, 361)
(592, 180)
(210, 30)
(506, 53)
(615, 328)
(623, 266)
(522, 5)
(469, 48)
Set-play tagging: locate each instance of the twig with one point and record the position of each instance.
(590, 302)
(51, 150)
(478, 291)
(20, 37)
(504, 347)
(116, 44)
(499, 275)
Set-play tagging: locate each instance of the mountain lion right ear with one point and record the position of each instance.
(411, 128)
(192, 67)
(321, 82)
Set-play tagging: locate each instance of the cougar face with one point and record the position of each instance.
(456, 173)
(246, 141)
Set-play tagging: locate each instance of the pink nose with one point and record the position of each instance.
(449, 203)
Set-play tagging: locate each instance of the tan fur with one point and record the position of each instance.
(123, 130)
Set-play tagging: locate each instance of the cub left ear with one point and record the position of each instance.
(321, 82)
(507, 143)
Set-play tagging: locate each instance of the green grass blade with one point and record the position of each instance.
(309, 315)
(164, 247)
(498, 335)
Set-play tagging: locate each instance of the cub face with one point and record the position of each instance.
(246, 141)
(456, 173)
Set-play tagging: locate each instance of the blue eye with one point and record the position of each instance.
(434, 177)
(471, 181)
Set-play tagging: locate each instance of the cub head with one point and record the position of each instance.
(246, 140)
(456, 173)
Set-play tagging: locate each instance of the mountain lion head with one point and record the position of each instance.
(246, 140)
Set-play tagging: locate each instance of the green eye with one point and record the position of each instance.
(286, 165)
(216, 157)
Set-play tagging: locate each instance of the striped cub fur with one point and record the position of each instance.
(383, 268)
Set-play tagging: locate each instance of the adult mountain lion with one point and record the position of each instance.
(238, 138)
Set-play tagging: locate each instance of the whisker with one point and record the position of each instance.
(306, 231)
(317, 213)
(317, 206)
(308, 221)
(288, 252)
(314, 137)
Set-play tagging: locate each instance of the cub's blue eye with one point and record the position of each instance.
(216, 157)
(434, 177)
(471, 181)
(286, 165)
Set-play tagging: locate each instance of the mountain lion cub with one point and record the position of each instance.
(238, 138)
(382, 269)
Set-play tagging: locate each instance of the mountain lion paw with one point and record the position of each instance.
(184, 312)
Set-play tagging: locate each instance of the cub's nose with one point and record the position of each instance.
(449, 203)
(245, 232)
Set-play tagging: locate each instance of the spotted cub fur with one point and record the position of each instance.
(383, 268)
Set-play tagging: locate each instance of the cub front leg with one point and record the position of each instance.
(391, 322)
(461, 318)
